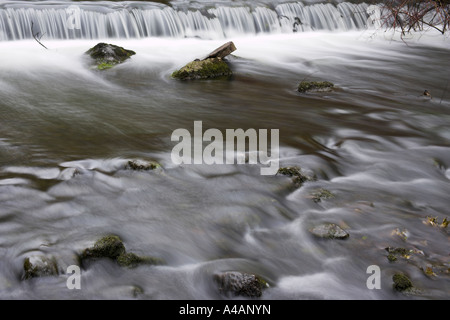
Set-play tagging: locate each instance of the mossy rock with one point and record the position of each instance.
(110, 246)
(401, 282)
(140, 165)
(203, 69)
(240, 284)
(107, 56)
(298, 177)
(329, 231)
(315, 86)
(131, 260)
(39, 266)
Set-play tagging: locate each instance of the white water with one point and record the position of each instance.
(138, 20)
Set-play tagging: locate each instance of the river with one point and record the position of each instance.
(376, 142)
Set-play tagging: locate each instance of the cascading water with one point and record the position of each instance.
(137, 20)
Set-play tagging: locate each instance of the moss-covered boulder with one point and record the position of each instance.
(315, 86)
(141, 165)
(112, 247)
(329, 231)
(39, 266)
(233, 283)
(298, 177)
(203, 69)
(401, 282)
(106, 56)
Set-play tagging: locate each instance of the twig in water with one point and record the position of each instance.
(37, 37)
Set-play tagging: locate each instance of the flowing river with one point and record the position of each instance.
(376, 143)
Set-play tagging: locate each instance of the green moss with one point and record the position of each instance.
(105, 65)
(203, 69)
(391, 257)
(401, 282)
(306, 86)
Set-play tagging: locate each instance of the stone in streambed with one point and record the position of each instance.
(112, 247)
(329, 231)
(39, 266)
(107, 56)
(240, 284)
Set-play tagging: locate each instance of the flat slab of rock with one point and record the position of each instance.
(329, 231)
(222, 51)
(203, 69)
(315, 86)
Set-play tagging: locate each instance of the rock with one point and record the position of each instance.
(140, 165)
(427, 93)
(113, 248)
(401, 282)
(329, 231)
(222, 51)
(110, 246)
(315, 86)
(298, 177)
(321, 194)
(39, 266)
(204, 69)
(240, 284)
(108, 55)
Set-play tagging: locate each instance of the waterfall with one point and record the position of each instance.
(91, 20)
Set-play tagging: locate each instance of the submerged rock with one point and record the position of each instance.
(131, 260)
(315, 86)
(203, 69)
(107, 56)
(321, 194)
(112, 247)
(329, 231)
(40, 266)
(240, 284)
(298, 177)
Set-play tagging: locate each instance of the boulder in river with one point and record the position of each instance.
(107, 56)
(39, 266)
(402, 282)
(240, 284)
(112, 247)
(213, 66)
(329, 231)
(141, 165)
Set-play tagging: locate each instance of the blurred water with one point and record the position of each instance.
(376, 143)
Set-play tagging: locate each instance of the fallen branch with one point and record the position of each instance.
(36, 36)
